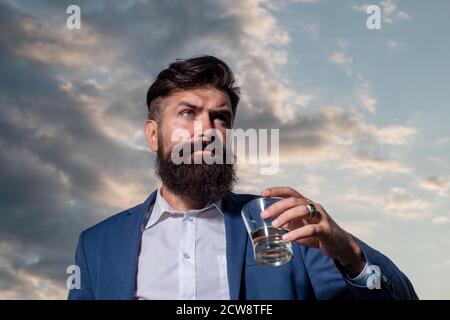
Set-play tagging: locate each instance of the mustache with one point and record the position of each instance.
(199, 146)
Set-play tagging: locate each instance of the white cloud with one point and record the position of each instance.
(441, 220)
(343, 60)
(279, 4)
(367, 101)
(26, 285)
(364, 94)
(437, 184)
(63, 47)
(442, 141)
(389, 11)
(371, 165)
(360, 229)
(251, 180)
(394, 134)
(361, 7)
(404, 205)
(392, 202)
(258, 23)
(330, 133)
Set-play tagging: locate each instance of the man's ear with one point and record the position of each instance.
(151, 134)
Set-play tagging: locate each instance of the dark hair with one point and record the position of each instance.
(185, 74)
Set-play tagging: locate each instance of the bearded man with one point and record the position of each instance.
(188, 239)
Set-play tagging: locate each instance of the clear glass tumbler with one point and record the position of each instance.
(268, 247)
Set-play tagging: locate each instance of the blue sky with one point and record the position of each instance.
(362, 116)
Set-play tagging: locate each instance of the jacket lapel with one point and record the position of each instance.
(236, 237)
(128, 248)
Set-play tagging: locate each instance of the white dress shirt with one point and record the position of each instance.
(183, 254)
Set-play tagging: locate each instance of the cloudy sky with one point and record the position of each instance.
(362, 114)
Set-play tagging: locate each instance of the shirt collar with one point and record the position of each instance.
(161, 206)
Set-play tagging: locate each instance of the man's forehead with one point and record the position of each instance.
(202, 96)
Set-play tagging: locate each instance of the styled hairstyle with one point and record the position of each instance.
(193, 73)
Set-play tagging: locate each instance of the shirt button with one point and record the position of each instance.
(186, 256)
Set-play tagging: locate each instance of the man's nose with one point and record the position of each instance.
(207, 128)
(207, 123)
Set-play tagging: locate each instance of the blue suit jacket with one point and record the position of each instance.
(108, 254)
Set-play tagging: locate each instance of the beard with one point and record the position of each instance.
(202, 183)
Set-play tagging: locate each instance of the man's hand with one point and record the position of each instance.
(319, 232)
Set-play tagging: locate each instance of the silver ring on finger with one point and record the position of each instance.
(312, 211)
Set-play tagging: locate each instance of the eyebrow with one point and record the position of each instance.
(223, 108)
(189, 104)
(194, 106)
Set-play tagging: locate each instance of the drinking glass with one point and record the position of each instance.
(268, 247)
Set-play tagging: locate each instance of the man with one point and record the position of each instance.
(188, 239)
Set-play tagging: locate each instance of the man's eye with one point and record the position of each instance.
(222, 117)
(187, 113)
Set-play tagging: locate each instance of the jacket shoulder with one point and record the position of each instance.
(109, 225)
(242, 198)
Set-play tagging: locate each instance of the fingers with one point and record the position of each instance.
(280, 206)
(310, 230)
(282, 192)
(300, 212)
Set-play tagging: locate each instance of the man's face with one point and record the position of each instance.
(208, 107)
(184, 110)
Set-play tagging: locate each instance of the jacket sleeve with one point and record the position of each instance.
(394, 284)
(85, 291)
(329, 281)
